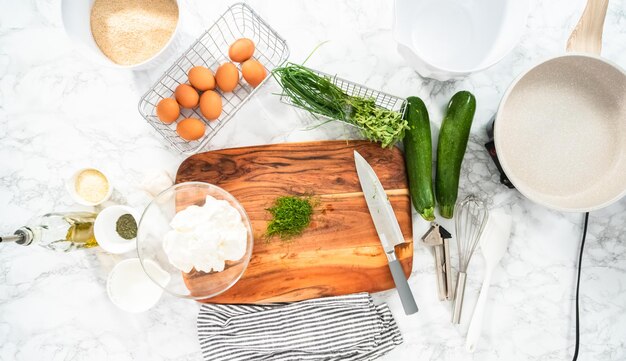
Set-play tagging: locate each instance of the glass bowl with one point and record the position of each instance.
(154, 225)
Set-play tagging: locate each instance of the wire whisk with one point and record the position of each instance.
(470, 219)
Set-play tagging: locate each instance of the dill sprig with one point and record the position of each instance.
(291, 215)
(318, 94)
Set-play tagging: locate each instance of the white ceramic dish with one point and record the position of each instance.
(76, 21)
(130, 288)
(449, 39)
(105, 233)
(71, 189)
(560, 133)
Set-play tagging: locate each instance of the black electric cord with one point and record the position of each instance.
(580, 261)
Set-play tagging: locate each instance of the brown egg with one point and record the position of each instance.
(167, 110)
(241, 50)
(186, 96)
(190, 129)
(227, 77)
(253, 72)
(201, 78)
(210, 105)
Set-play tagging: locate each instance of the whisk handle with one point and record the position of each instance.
(404, 291)
(458, 301)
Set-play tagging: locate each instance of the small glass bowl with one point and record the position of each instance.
(155, 223)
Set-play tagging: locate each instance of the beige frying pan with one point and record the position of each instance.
(560, 130)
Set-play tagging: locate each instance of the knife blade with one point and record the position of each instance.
(387, 227)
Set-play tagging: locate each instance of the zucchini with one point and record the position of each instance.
(453, 136)
(418, 155)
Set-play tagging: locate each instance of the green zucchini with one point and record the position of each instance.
(453, 136)
(418, 155)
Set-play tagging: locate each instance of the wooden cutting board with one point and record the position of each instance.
(340, 252)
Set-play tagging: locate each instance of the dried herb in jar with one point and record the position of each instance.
(126, 226)
(291, 215)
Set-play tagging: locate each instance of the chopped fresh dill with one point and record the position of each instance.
(291, 215)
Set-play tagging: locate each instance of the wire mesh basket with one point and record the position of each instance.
(382, 100)
(211, 50)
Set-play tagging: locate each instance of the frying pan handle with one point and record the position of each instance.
(587, 35)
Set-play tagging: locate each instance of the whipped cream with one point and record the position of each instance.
(206, 237)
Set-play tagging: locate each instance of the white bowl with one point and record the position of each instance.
(71, 188)
(449, 39)
(130, 288)
(76, 16)
(105, 233)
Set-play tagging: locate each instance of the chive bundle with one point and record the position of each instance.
(317, 94)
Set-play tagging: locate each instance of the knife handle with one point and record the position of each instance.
(404, 291)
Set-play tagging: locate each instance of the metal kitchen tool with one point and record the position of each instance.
(433, 239)
(493, 244)
(439, 238)
(211, 50)
(387, 227)
(446, 236)
(469, 223)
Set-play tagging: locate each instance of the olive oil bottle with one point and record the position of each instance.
(58, 231)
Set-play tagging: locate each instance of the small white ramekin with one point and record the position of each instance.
(71, 188)
(76, 15)
(106, 234)
(130, 288)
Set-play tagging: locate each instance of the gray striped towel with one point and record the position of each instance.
(333, 328)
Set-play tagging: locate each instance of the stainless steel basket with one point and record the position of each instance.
(383, 100)
(211, 50)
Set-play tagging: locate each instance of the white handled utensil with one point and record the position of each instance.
(493, 245)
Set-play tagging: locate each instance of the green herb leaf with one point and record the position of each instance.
(291, 216)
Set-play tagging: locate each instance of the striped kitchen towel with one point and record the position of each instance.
(347, 327)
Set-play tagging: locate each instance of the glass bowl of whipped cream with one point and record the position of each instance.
(199, 236)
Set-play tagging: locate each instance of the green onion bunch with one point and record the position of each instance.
(317, 94)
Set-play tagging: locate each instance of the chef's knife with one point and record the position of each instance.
(387, 228)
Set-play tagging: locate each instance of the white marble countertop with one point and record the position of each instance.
(58, 111)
